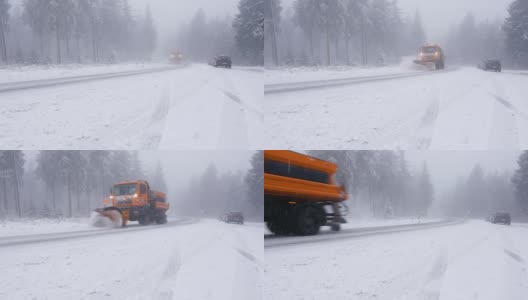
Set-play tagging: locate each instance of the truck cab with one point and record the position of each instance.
(136, 201)
(431, 54)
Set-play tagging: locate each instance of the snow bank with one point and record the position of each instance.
(12, 74)
(43, 226)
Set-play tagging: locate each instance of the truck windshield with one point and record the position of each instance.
(429, 49)
(124, 189)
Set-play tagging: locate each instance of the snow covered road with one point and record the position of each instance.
(206, 260)
(87, 232)
(318, 84)
(41, 83)
(197, 107)
(459, 109)
(471, 260)
(324, 236)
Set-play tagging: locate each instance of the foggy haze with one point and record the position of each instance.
(171, 14)
(180, 167)
(446, 167)
(438, 16)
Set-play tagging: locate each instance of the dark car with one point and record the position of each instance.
(221, 61)
(491, 64)
(501, 217)
(233, 217)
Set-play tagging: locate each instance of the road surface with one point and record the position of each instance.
(271, 241)
(460, 108)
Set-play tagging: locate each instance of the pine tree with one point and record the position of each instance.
(149, 33)
(254, 182)
(249, 28)
(425, 192)
(11, 174)
(159, 179)
(516, 29)
(520, 180)
(272, 19)
(4, 19)
(417, 31)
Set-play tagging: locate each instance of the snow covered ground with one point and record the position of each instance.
(456, 109)
(472, 260)
(196, 107)
(43, 226)
(203, 260)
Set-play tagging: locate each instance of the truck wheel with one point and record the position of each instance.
(275, 228)
(162, 219)
(144, 220)
(335, 227)
(308, 221)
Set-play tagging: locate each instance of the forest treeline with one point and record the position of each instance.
(110, 31)
(73, 183)
(380, 183)
(369, 32)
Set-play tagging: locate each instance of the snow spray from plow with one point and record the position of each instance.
(106, 219)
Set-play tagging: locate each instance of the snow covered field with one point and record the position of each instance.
(203, 260)
(42, 226)
(473, 260)
(197, 107)
(455, 109)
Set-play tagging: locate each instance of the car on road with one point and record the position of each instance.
(501, 217)
(431, 54)
(491, 64)
(233, 217)
(221, 61)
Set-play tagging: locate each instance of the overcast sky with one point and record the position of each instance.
(438, 15)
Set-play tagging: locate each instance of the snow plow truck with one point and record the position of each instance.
(133, 201)
(431, 56)
(300, 194)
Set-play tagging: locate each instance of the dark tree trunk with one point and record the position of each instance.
(59, 59)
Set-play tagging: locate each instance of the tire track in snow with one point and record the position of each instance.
(504, 133)
(234, 116)
(146, 127)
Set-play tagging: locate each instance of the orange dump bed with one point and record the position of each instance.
(301, 189)
(301, 160)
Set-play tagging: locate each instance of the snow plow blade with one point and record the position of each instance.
(104, 217)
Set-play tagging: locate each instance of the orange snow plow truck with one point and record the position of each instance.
(134, 201)
(300, 194)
